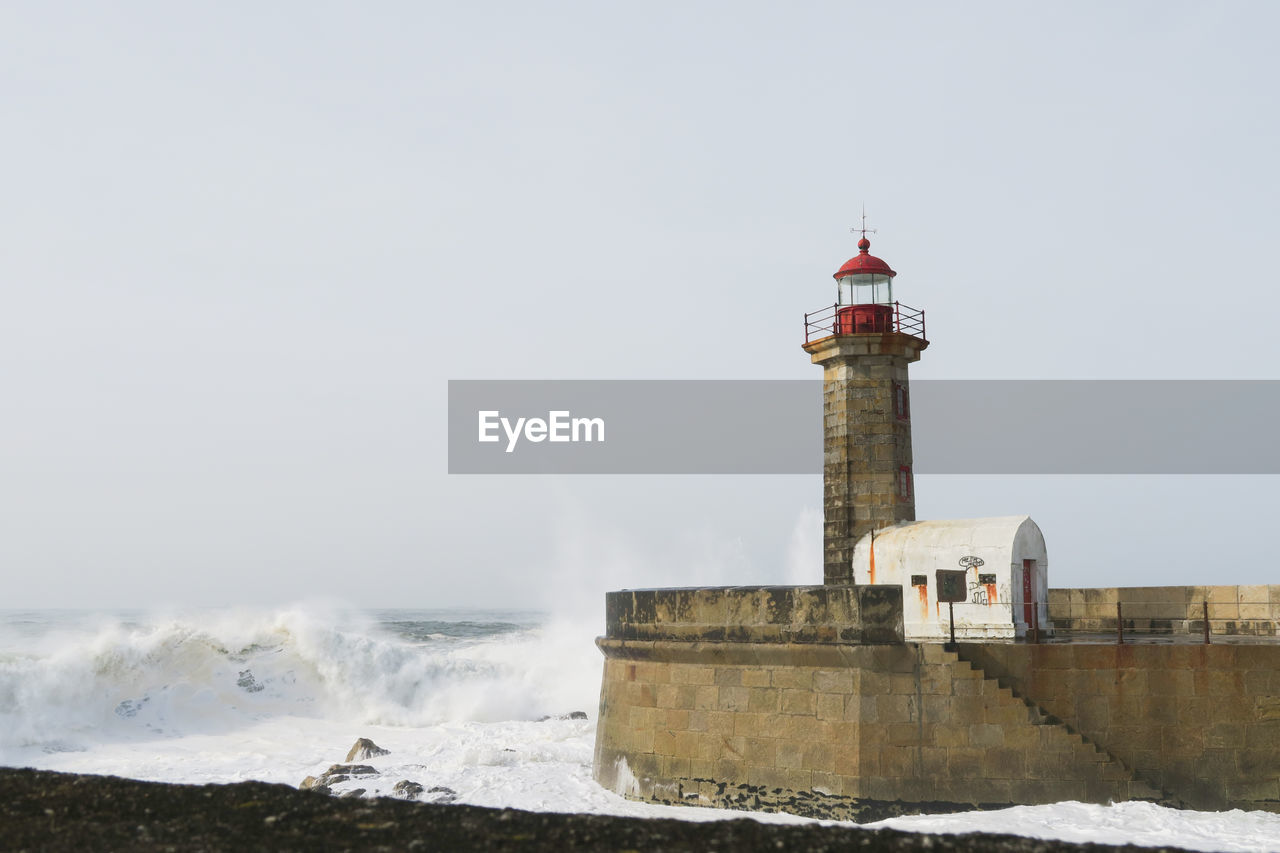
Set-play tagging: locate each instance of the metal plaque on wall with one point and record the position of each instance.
(951, 585)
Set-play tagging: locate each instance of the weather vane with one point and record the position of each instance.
(864, 229)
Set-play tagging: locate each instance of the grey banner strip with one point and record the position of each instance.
(775, 427)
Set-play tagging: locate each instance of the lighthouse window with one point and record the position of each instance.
(904, 482)
(901, 404)
(919, 580)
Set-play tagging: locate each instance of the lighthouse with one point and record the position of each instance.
(864, 342)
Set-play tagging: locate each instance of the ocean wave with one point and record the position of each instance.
(214, 671)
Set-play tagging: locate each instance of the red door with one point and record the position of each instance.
(1028, 594)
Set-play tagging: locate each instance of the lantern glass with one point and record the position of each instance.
(866, 289)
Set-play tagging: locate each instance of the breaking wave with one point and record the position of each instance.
(68, 686)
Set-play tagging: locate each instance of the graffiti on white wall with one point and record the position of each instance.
(983, 589)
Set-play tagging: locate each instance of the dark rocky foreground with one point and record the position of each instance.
(40, 810)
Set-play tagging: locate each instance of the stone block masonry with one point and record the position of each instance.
(1233, 610)
(866, 440)
(848, 729)
(1200, 722)
(777, 614)
(848, 732)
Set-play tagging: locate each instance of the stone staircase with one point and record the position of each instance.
(1131, 786)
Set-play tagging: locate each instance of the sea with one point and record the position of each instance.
(488, 707)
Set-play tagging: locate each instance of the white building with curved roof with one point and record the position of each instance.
(1005, 575)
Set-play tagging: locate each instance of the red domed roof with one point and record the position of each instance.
(864, 263)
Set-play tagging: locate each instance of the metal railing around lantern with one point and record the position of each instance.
(864, 320)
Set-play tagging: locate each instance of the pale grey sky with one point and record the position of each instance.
(245, 245)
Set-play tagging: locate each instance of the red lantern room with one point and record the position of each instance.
(864, 302)
(864, 293)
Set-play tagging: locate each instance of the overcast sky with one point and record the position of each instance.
(245, 245)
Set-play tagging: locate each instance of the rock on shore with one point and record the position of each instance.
(364, 749)
(40, 810)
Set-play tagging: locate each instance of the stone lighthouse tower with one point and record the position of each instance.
(864, 343)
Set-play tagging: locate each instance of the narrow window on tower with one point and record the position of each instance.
(904, 482)
(901, 405)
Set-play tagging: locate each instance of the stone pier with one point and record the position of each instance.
(807, 700)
